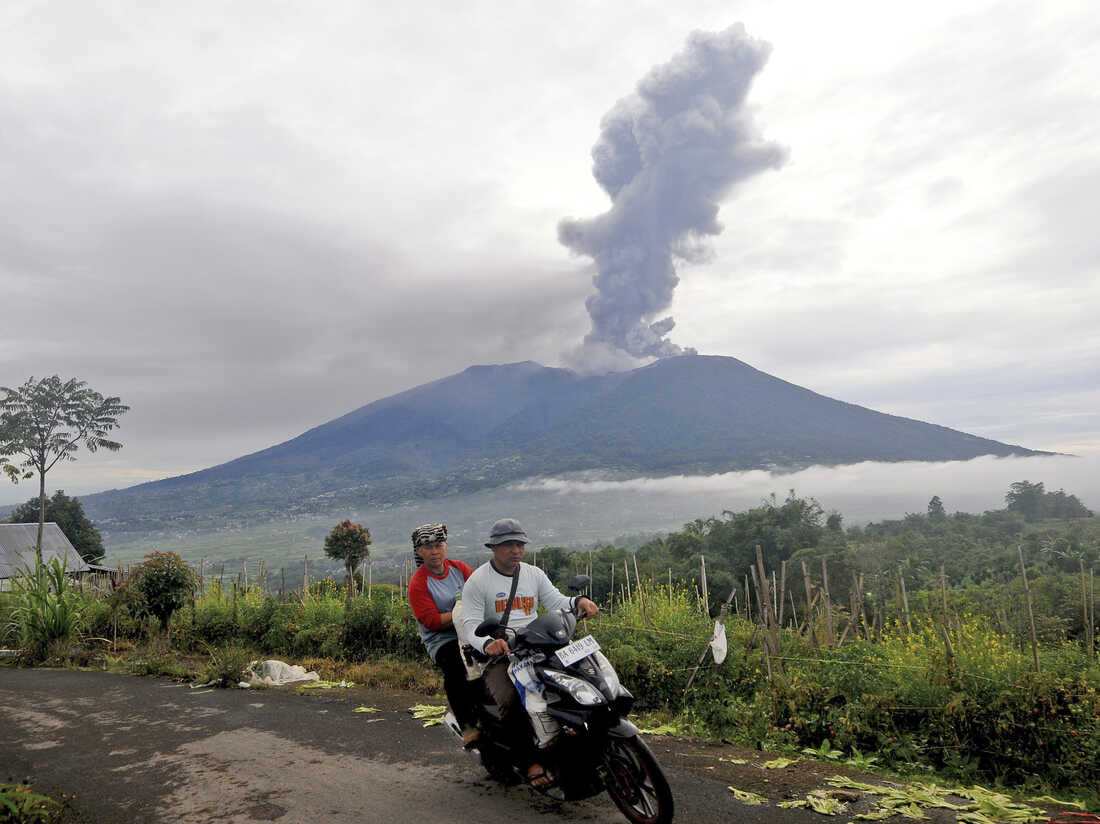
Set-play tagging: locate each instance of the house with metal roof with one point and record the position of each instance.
(17, 550)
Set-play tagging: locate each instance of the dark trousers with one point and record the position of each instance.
(461, 694)
(517, 723)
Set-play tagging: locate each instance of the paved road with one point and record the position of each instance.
(148, 750)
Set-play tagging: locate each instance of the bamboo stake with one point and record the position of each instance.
(794, 612)
(828, 600)
(782, 590)
(1030, 611)
(1086, 617)
(811, 599)
(282, 584)
(722, 613)
(305, 576)
(1092, 609)
(946, 621)
(670, 586)
(370, 575)
(767, 610)
(776, 604)
(748, 599)
(905, 600)
(641, 591)
(706, 595)
(202, 577)
(611, 594)
(853, 610)
(626, 569)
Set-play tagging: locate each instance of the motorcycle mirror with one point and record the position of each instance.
(579, 582)
(487, 626)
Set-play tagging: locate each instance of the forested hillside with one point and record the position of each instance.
(491, 425)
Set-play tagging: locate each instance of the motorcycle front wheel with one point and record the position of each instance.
(636, 783)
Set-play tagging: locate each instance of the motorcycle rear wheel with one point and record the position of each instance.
(636, 783)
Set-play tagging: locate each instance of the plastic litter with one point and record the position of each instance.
(274, 673)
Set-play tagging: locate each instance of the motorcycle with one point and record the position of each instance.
(584, 707)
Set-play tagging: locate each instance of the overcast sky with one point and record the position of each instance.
(246, 219)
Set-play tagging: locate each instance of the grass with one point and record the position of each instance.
(21, 804)
(386, 672)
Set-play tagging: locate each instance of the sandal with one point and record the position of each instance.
(542, 779)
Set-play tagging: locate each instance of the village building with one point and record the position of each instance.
(17, 542)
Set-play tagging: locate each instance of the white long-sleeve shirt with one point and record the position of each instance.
(485, 595)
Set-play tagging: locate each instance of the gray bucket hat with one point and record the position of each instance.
(506, 529)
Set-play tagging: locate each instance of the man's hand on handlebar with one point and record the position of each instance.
(586, 607)
(497, 647)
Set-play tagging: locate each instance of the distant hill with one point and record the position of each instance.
(491, 425)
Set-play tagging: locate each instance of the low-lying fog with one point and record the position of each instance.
(579, 512)
(862, 492)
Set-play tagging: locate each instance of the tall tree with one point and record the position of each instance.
(46, 421)
(69, 515)
(936, 512)
(1027, 499)
(350, 543)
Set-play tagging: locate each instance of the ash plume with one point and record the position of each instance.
(667, 154)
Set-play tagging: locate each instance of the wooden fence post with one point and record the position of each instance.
(641, 591)
(809, 603)
(1086, 615)
(782, 590)
(703, 578)
(905, 600)
(828, 600)
(1030, 611)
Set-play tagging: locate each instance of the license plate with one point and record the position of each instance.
(574, 652)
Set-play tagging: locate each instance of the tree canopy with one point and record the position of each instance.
(68, 514)
(1035, 503)
(165, 584)
(46, 421)
(348, 542)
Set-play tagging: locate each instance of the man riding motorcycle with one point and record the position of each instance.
(510, 591)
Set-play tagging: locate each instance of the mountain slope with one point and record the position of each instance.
(490, 425)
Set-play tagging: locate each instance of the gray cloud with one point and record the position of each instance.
(666, 156)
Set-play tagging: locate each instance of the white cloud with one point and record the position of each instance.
(861, 492)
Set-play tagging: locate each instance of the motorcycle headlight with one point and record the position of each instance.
(609, 676)
(581, 691)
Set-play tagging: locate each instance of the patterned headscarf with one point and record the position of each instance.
(428, 534)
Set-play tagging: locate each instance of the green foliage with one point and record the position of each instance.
(68, 514)
(157, 659)
(165, 582)
(226, 666)
(367, 626)
(46, 421)
(1035, 503)
(46, 613)
(118, 614)
(350, 543)
(20, 804)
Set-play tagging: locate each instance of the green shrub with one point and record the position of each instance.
(165, 582)
(19, 804)
(255, 611)
(46, 612)
(367, 627)
(214, 619)
(226, 666)
(321, 626)
(157, 659)
(117, 615)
